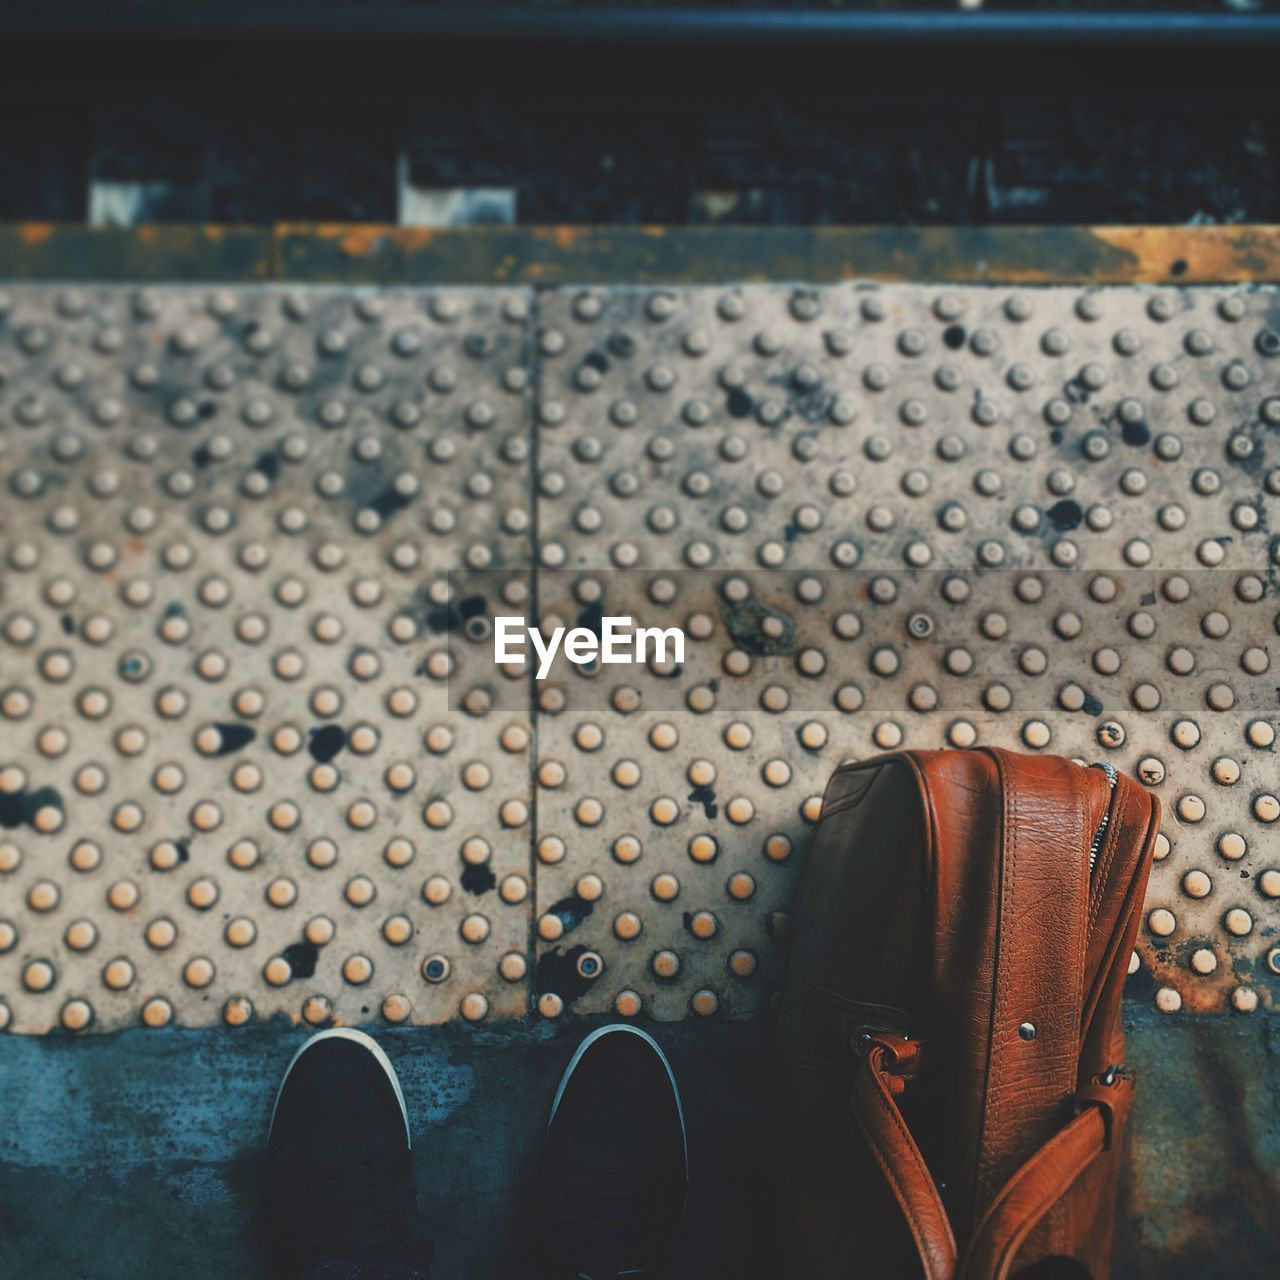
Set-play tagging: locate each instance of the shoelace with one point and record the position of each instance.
(603, 1218)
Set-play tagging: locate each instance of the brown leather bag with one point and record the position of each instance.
(955, 1091)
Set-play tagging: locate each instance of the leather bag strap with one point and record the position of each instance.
(880, 1076)
(1044, 1179)
(886, 1063)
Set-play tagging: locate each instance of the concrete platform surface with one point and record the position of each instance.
(139, 1153)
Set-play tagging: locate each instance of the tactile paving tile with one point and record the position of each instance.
(899, 517)
(886, 516)
(232, 780)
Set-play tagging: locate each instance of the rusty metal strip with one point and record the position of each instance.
(352, 253)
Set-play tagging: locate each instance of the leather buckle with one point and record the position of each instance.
(900, 1058)
(1111, 1093)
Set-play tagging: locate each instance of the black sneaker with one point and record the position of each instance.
(339, 1170)
(617, 1165)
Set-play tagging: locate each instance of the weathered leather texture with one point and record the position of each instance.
(953, 1098)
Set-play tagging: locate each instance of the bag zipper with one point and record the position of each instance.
(1110, 770)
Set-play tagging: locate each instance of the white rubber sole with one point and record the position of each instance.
(365, 1042)
(662, 1057)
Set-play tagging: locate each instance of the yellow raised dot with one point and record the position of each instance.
(701, 773)
(240, 932)
(513, 889)
(626, 849)
(626, 773)
(319, 931)
(284, 816)
(360, 891)
(665, 964)
(123, 895)
(704, 1003)
(627, 1003)
(277, 971)
(702, 924)
(550, 1005)
(38, 975)
(1266, 808)
(323, 777)
(161, 934)
(1226, 772)
(1196, 884)
(740, 810)
(1162, 922)
(551, 849)
(474, 1007)
(475, 929)
(1231, 845)
(397, 930)
(777, 848)
(198, 972)
(43, 896)
(76, 1015)
(1238, 922)
(165, 855)
(399, 852)
(589, 888)
(513, 966)
(665, 887)
(118, 974)
(1244, 999)
(477, 776)
(436, 890)
(664, 811)
(742, 964)
(316, 1010)
(396, 1008)
(514, 813)
(92, 780)
(627, 925)
(1191, 808)
(437, 814)
(588, 811)
(777, 773)
(157, 1012)
(237, 1011)
(80, 935)
(127, 817)
(243, 854)
(202, 894)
